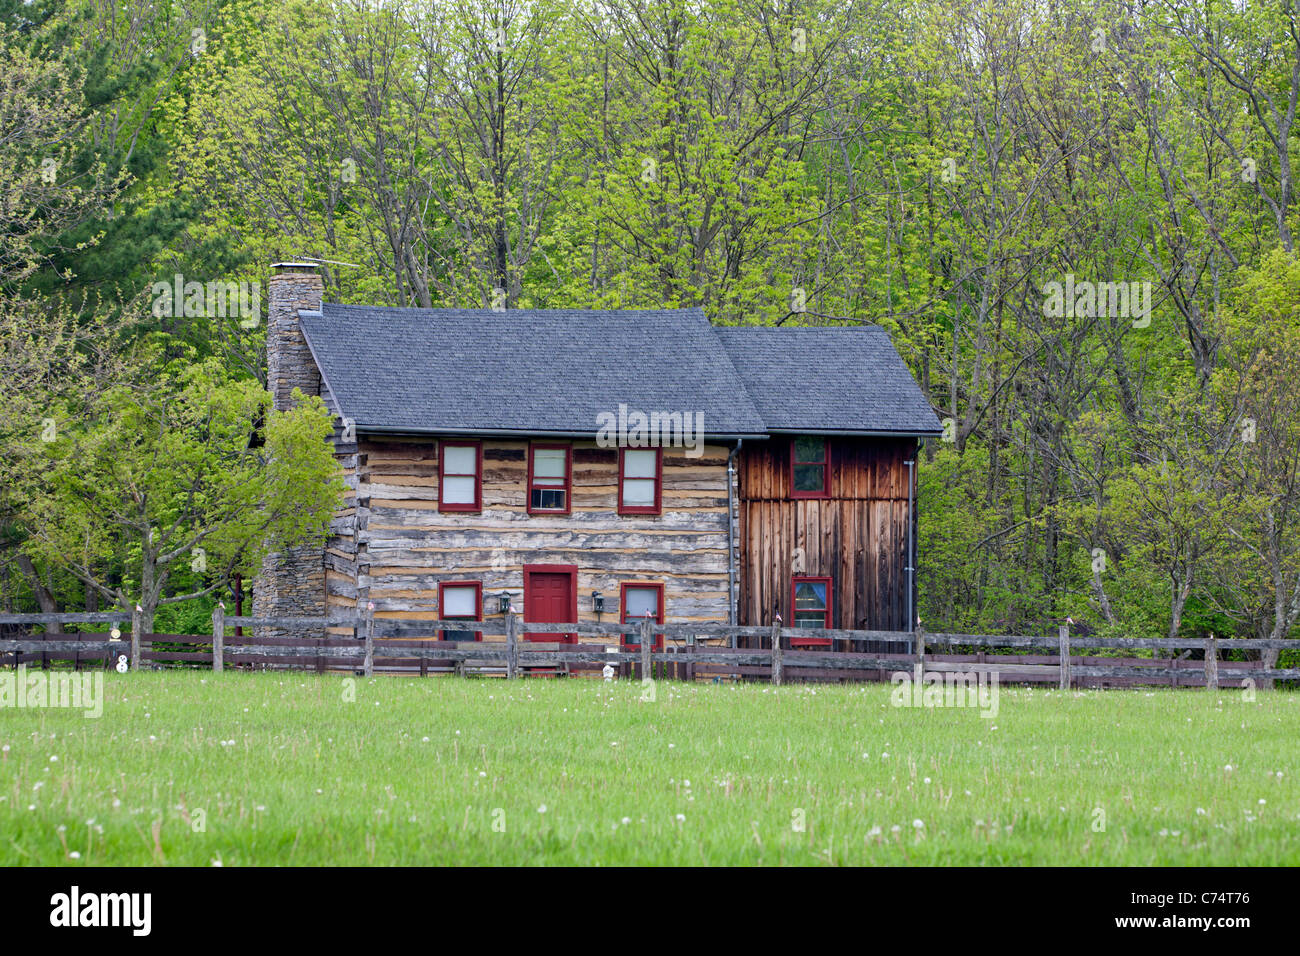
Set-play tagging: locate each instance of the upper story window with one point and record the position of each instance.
(461, 601)
(460, 476)
(810, 471)
(549, 479)
(640, 475)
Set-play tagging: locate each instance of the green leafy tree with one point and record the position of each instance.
(1257, 387)
(163, 473)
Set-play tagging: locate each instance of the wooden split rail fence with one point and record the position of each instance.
(691, 651)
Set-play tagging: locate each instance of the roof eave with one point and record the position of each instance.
(366, 429)
(860, 433)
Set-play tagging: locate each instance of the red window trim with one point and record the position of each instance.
(826, 469)
(572, 571)
(830, 606)
(478, 475)
(657, 507)
(478, 604)
(568, 480)
(622, 610)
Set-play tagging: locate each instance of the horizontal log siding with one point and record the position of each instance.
(342, 547)
(402, 546)
(857, 536)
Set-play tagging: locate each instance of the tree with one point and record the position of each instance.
(41, 192)
(1167, 508)
(44, 350)
(162, 471)
(1258, 395)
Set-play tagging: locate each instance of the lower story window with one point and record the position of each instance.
(636, 600)
(812, 602)
(461, 601)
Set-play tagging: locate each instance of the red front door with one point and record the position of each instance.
(550, 597)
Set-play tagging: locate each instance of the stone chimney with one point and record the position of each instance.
(289, 365)
(292, 582)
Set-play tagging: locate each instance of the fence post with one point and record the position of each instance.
(512, 644)
(368, 665)
(218, 637)
(920, 646)
(1212, 664)
(776, 652)
(136, 614)
(1063, 653)
(645, 646)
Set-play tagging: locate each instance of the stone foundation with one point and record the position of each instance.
(291, 584)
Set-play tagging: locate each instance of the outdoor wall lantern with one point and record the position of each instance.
(598, 603)
(503, 602)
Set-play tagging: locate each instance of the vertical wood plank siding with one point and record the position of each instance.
(857, 536)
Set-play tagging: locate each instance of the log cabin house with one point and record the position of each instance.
(596, 466)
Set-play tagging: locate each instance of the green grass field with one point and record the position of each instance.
(276, 768)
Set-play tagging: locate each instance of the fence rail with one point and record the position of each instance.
(696, 650)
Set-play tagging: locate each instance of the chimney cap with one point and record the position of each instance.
(283, 267)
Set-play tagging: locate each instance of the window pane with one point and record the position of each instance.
(459, 460)
(809, 477)
(459, 635)
(809, 449)
(810, 595)
(458, 491)
(639, 464)
(544, 499)
(640, 600)
(460, 602)
(548, 463)
(639, 493)
(810, 619)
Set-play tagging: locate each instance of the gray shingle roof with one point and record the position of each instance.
(524, 370)
(555, 371)
(842, 378)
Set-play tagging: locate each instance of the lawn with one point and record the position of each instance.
(277, 768)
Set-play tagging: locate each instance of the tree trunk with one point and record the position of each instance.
(1178, 602)
(44, 596)
(1269, 656)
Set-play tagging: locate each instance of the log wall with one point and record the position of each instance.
(391, 546)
